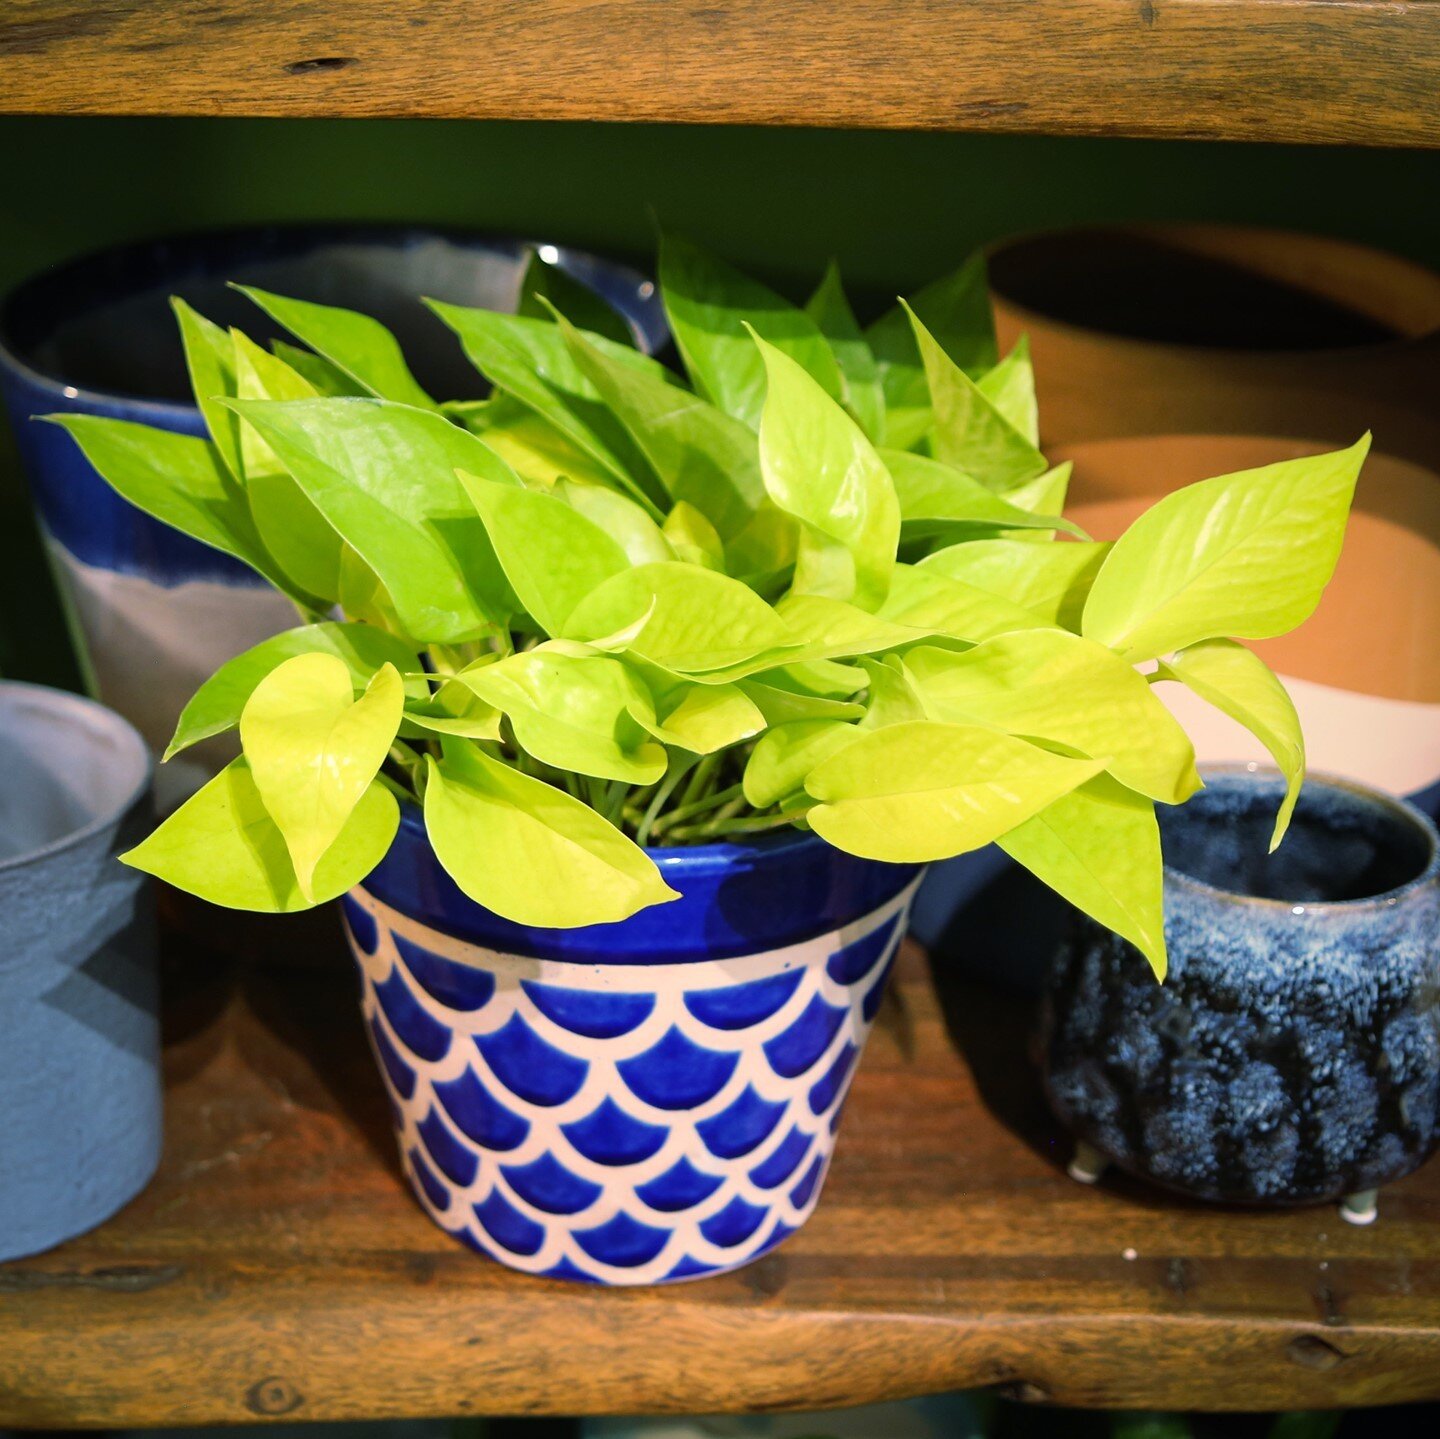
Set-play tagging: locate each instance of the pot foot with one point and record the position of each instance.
(1087, 1165)
(1360, 1207)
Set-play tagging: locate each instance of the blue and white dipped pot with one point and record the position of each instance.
(1292, 1055)
(154, 613)
(628, 1103)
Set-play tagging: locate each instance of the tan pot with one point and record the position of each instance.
(1364, 670)
(1188, 329)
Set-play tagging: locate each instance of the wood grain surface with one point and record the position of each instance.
(1365, 71)
(277, 1268)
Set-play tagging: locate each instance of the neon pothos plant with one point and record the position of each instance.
(822, 580)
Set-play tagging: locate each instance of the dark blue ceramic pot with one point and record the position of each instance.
(637, 1102)
(155, 611)
(1293, 1053)
(79, 1034)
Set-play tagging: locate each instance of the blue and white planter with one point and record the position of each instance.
(630, 1103)
(153, 612)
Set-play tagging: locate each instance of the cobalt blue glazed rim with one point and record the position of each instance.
(735, 899)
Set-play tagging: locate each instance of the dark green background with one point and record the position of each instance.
(895, 209)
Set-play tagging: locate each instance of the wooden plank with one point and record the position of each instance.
(1365, 71)
(278, 1268)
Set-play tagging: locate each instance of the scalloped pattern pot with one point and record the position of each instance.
(618, 1124)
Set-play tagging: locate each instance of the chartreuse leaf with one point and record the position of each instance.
(572, 711)
(910, 793)
(1050, 685)
(709, 305)
(1240, 684)
(544, 286)
(384, 476)
(530, 360)
(925, 599)
(182, 482)
(832, 629)
(693, 538)
(456, 710)
(701, 455)
(705, 718)
(1244, 555)
(970, 431)
(785, 756)
(1044, 496)
(935, 498)
(539, 452)
(305, 544)
(1099, 847)
(1050, 581)
(530, 852)
(624, 521)
(328, 379)
(698, 621)
(779, 704)
(210, 361)
(217, 704)
(956, 310)
(357, 345)
(1010, 387)
(893, 697)
(819, 467)
(314, 749)
(551, 553)
(863, 394)
(222, 845)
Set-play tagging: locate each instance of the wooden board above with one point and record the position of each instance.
(1363, 71)
(277, 1266)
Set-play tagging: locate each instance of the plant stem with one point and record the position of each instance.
(718, 829)
(700, 778)
(663, 791)
(699, 806)
(395, 787)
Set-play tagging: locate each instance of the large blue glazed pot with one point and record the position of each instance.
(1293, 1053)
(629, 1103)
(155, 612)
(79, 1035)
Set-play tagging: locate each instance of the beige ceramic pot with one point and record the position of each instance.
(1187, 329)
(1364, 670)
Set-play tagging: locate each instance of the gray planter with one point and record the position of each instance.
(79, 1034)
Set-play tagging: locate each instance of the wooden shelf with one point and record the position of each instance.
(277, 1266)
(1363, 71)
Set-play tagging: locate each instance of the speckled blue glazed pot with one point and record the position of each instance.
(79, 1037)
(155, 612)
(637, 1102)
(1293, 1054)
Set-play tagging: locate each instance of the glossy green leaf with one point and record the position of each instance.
(699, 621)
(832, 629)
(1051, 581)
(572, 712)
(552, 285)
(327, 379)
(180, 481)
(217, 704)
(551, 553)
(784, 757)
(1010, 387)
(910, 793)
(313, 749)
(819, 467)
(210, 362)
(1099, 847)
(624, 521)
(384, 476)
(1044, 496)
(970, 431)
(936, 498)
(357, 345)
(1240, 684)
(455, 709)
(1054, 686)
(693, 538)
(924, 599)
(709, 305)
(781, 704)
(892, 697)
(222, 845)
(530, 852)
(709, 717)
(864, 395)
(539, 452)
(1245, 555)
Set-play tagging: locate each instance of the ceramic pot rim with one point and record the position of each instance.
(303, 237)
(1399, 809)
(61, 701)
(1031, 318)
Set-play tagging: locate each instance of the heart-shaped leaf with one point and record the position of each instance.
(784, 757)
(864, 395)
(936, 498)
(924, 599)
(1051, 581)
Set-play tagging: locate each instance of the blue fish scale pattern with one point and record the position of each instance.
(1278, 1063)
(618, 1124)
